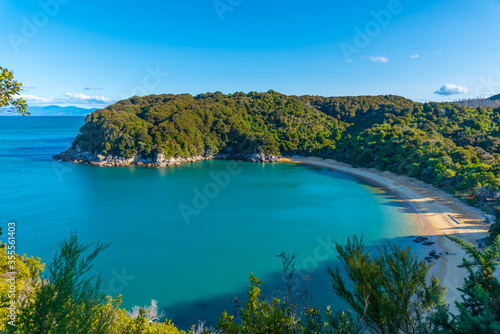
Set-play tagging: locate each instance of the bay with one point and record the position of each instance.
(187, 236)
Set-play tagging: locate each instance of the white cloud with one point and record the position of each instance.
(349, 60)
(415, 56)
(92, 88)
(82, 98)
(32, 98)
(450, 89)
(376, 59)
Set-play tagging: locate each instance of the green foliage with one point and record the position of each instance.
(70, 301)
(182, 125)
(450, 146)
(123, 323)
(479, 310)
(494, 230)
(494, 97)
(9, 88)
(260, 315)
(389, 294)
(389, 291)
(453, 147)
(27, 275)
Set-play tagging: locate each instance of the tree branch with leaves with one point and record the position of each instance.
(9, 92)
(388, 290)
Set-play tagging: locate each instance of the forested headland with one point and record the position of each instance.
(453, 147)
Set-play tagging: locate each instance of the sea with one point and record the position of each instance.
(188, 236)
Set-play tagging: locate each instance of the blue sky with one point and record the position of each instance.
(93, 53)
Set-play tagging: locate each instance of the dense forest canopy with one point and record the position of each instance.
(183, 125)
(451, 146)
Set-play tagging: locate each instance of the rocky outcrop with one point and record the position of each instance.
(115, 161)
(158, 161)
(261, 157)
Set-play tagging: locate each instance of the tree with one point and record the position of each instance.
(9, 89)
(389, 290)
(261, 315)
(24, 278)
(70, 301)
(144, 321)
(479, 310)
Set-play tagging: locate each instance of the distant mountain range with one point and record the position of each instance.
(53, 111)
(494, 97)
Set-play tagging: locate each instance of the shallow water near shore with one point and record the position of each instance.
(189, 235)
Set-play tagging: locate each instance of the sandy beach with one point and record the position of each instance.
(435, 213)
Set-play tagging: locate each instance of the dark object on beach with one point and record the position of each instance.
(432, 253)
(420, 239)
(428, 243)
(429, 261)
(436, 256)
(428, 257)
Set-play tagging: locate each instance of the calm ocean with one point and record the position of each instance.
(187, 236)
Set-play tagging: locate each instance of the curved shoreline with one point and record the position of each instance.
(439, 212)
(434, 212)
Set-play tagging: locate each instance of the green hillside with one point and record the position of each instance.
(453, 147)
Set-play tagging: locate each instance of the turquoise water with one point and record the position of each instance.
(191, 252)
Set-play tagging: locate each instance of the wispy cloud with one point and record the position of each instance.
(92, 88)
(415, 56)
(35, 99)
(68, 98)
(376, 59)
(450, 89)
